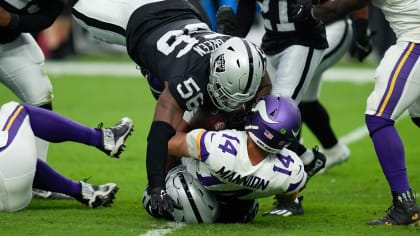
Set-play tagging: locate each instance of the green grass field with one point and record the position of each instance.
(336, 203)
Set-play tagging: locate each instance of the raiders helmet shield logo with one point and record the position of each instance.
(219, 64)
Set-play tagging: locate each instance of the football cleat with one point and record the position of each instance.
(336, 155)
(97, 195)
(316, 164)
(113, 139)
(403, 211)
(289, 209)
(43, 194)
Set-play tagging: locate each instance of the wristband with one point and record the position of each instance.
(14, 21)
(157, 152)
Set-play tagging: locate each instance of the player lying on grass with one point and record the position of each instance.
(21, 169)
(236, 167)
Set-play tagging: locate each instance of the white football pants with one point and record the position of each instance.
(18, 158)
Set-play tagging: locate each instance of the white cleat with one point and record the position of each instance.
(335, 156)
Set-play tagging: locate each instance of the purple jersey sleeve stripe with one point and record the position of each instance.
(398, 80)
(292, 187)
(13, 124)
(208, 180)
(204, 154)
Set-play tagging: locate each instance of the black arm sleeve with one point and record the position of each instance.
(42, 19)
(157, 152)
(245, 16)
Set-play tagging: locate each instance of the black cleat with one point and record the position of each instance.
(97, 195)
(113, 139)
(317, 163)
(403, 211)
(290, 209)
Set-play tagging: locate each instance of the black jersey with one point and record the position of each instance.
(175, 50)
(34, 16)
(281, 32)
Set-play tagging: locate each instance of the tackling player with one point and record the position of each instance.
(339, 36)
(21, 169)
(241, 166)
(187, 66)
(294, 51)
(396, 90)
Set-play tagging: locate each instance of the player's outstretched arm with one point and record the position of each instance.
(168, 116)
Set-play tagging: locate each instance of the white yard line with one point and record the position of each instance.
(355, 135)
(166, 229)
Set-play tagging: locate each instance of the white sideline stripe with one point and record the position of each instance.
(356, 75)
(166, 229)
(355, 135)
(91, 68)
(360, 133)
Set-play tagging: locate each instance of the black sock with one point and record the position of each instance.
(316, 118)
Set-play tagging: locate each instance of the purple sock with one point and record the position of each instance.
(390, 151)
(56, 128)
(46, 178)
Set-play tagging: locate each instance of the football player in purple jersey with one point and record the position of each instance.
(396, 90)
(187, 65)
(21, 169)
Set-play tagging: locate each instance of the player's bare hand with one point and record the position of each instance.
(4, 17)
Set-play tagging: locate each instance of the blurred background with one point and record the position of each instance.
(65, 39)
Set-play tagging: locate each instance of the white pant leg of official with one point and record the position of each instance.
(107, 20)
(17, 163)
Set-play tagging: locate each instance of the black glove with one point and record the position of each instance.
(301, 12)
(161, 201)
(362, 45)
(226, 20)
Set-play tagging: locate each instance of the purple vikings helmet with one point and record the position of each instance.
(274, 123)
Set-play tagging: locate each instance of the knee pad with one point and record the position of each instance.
(375, 123)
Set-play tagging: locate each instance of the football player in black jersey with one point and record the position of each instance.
(294, 51)
(186, 64)
(339, 34)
